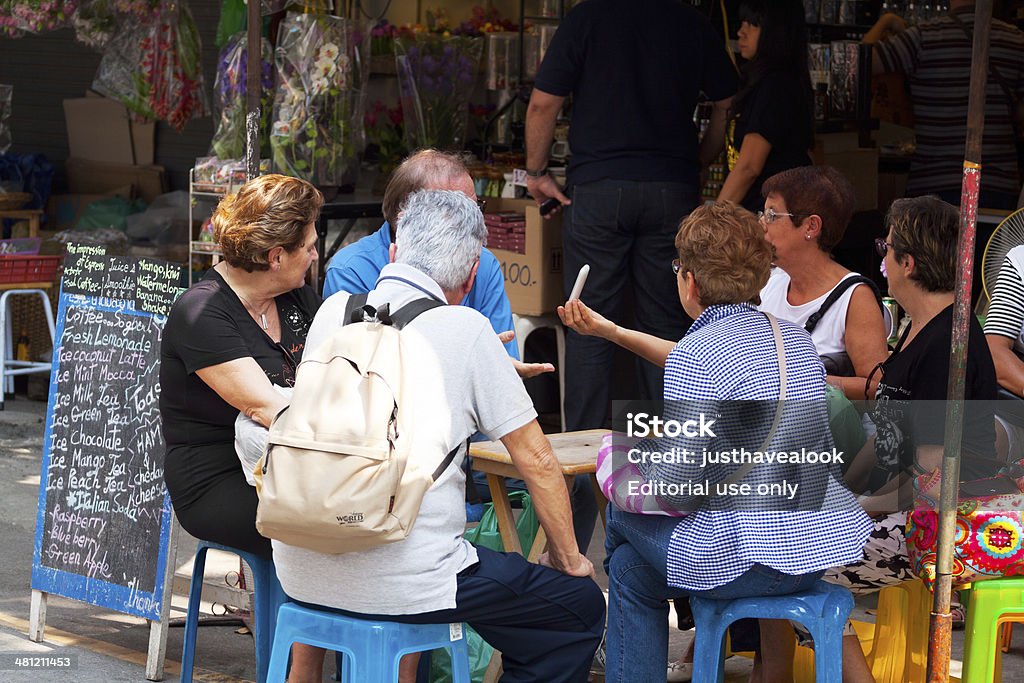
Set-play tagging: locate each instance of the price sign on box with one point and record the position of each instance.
(530, 260)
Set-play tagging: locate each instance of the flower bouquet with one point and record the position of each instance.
(152, 66)
(384, 135)
(95, 22)
(18, 17)
(230, 91)
(317, 130)
(436, 77)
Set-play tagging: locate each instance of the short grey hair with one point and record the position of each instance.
(441, 233)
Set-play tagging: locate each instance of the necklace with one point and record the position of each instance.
(262, 314)
(249, 307)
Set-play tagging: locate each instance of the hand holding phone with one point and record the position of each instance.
(549, 205)
(581, 279)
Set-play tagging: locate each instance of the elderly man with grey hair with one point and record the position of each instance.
(546, 619)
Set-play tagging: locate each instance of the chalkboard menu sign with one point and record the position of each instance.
(104, 517)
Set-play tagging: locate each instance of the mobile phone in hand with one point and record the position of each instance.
(549, 205)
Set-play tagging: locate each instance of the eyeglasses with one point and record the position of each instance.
(676, 266)
(482, 203)
(771, 215)
(881, 246)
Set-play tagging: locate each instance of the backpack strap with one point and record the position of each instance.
(354, 308)
(447, 461)
(406, 314)
(837, 292)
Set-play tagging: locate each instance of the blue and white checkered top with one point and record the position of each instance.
(729, 355)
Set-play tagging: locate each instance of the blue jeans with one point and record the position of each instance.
(625, 230)
(636, 646)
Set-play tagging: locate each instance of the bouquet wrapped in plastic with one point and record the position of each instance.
(230, 92)
(152, 65)
(6, 95)
(18, 17)
(436, 76)
(95, 22)
(317, 131)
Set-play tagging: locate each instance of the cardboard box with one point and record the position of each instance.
(533, 280)
(93, 177)
(100, 129)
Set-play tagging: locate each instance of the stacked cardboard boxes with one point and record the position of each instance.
(529, 251)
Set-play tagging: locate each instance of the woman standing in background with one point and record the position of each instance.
(773, 114)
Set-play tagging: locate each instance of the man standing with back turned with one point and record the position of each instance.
(635, 73)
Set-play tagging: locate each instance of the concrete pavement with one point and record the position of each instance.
(107, 647)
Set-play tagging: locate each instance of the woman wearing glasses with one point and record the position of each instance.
(805, 215)
(919, 255)
(773, 114)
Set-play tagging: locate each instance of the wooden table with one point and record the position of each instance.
(576, 453)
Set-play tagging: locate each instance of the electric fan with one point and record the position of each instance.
(1007, 235)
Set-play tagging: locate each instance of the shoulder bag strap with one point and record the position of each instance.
(837, 292)
(781, 354)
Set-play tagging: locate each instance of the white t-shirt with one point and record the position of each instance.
(830, 333)
(480, 391)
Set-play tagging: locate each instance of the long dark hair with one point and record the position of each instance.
(782, 47)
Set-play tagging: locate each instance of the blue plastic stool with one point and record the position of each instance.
(371, 649)
(268, 596)
(823, 610)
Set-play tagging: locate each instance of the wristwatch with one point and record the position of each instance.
(537, 174)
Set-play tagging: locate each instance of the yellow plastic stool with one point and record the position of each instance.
(899, 648)
(896, 645)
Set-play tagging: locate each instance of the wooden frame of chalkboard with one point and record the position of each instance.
(105, 530)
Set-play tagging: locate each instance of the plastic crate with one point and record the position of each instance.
(28, 269)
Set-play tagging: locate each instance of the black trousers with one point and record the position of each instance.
(625, 231)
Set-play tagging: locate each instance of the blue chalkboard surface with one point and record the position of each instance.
(104, 517)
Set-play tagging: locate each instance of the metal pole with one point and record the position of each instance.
(253, 65)
(940, 625)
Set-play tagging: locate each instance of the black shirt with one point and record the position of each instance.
(778, 109)
(208, 325)
(635, 71)
(911, 410)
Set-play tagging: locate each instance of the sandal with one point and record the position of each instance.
(679, 672)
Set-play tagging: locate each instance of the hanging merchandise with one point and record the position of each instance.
(152, 65)
(229, 90)
(95, 23)
(317, 130)
(232, 20)
(18, 17)
(436, 77)
(6, 95)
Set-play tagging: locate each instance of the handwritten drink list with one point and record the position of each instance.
(104, 513)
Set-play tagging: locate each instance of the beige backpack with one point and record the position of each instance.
(337, 476)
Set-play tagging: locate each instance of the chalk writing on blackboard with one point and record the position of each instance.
(104, 478)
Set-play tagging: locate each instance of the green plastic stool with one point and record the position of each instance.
(991, 604)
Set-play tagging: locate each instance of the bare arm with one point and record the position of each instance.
(753, 154)
(714, 136)
(864, 340)
(1009, 367)
(541, 115)
(886, 25)
(243, 384)
(577, 316)
(532, 455)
